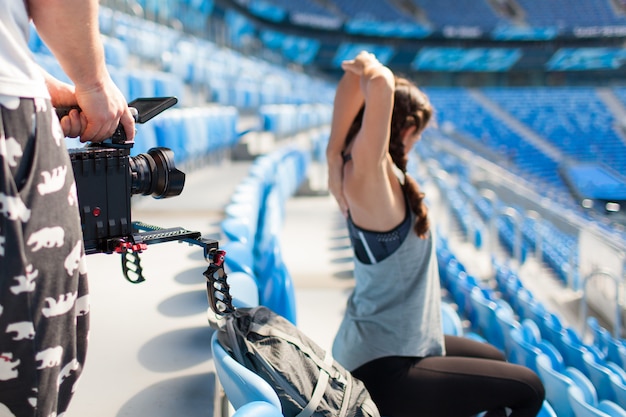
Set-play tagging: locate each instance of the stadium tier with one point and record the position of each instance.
(525, 164)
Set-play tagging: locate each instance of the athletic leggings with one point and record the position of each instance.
(471, 378)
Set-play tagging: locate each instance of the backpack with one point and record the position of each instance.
(308, 381)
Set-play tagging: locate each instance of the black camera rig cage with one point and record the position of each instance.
(107, 176)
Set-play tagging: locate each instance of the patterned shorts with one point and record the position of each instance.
(44, 305)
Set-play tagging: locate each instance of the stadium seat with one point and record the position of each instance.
(239, 258)
(506, 321)
(238, 229)
(241, 385)
(601, 336)
(243, 289)
(556, 383)
(527, 346)
(600, 376)
(582, 406)
(452, 323)
(258, 409)
(573, 348)
(547, 410)
(619, 389)
(485, 318)
(553, 329)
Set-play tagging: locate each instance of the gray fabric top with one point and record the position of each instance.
(395, 308)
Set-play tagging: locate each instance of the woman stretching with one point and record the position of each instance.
(391, 336)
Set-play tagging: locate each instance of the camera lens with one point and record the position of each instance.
(154, 173)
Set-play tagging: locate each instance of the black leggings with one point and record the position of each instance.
(473, 377)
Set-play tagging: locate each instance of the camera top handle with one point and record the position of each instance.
(143, 109)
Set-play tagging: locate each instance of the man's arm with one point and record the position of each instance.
(70, 29)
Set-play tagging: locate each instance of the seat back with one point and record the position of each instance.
(506, 321)
(258, 409)
(485, 316)
(241, 385)
(452, 323)
(580, 407)
(523, 353)
(600, 376)
(556, 385)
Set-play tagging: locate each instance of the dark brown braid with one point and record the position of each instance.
(411, 108)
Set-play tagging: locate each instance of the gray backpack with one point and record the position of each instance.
(306, 378)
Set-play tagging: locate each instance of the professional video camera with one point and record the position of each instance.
(107, 177)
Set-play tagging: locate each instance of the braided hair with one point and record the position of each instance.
(411, 108)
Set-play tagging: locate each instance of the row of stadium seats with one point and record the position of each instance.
(573, 119)
(288, 119)
(537, 133)
(252, 228)
(433, 15)
(175, 60)
(474, 212)
(507, 315)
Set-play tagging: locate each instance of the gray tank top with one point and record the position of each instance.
(395, 308)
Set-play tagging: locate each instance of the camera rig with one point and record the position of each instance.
(107, 176)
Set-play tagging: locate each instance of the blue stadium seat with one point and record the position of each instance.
(239, 257)
(556, 383)
(573, 349)
(258, 409)
(582, 406)
(243, 289)
(452, 323)
(527, 346)
(607, 378)
(241, 385)
(619, 389)
(507, 322)
(485, 318)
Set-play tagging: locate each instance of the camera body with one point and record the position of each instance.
(103, 186)
(107, 176)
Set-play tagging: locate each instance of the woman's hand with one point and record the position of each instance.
(363, 63)
(368, 68)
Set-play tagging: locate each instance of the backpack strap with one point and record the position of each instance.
(231, 333)
(318, 391)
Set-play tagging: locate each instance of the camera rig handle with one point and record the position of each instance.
(146, 234)
(218, 290)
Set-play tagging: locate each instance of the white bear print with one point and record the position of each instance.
(52, 181)
(82, 306)
(14, 208)
(10, 150)
(33, 400)
(41, 105)
(2, 242)
(60, 306)
(5, 412)
(72, 195)
(24, 330)
(67, 370)
(26, 283)
(49, 357)
(76, 260)
(8, 366)
(10, 102)
(48, 237)
(57, 131)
